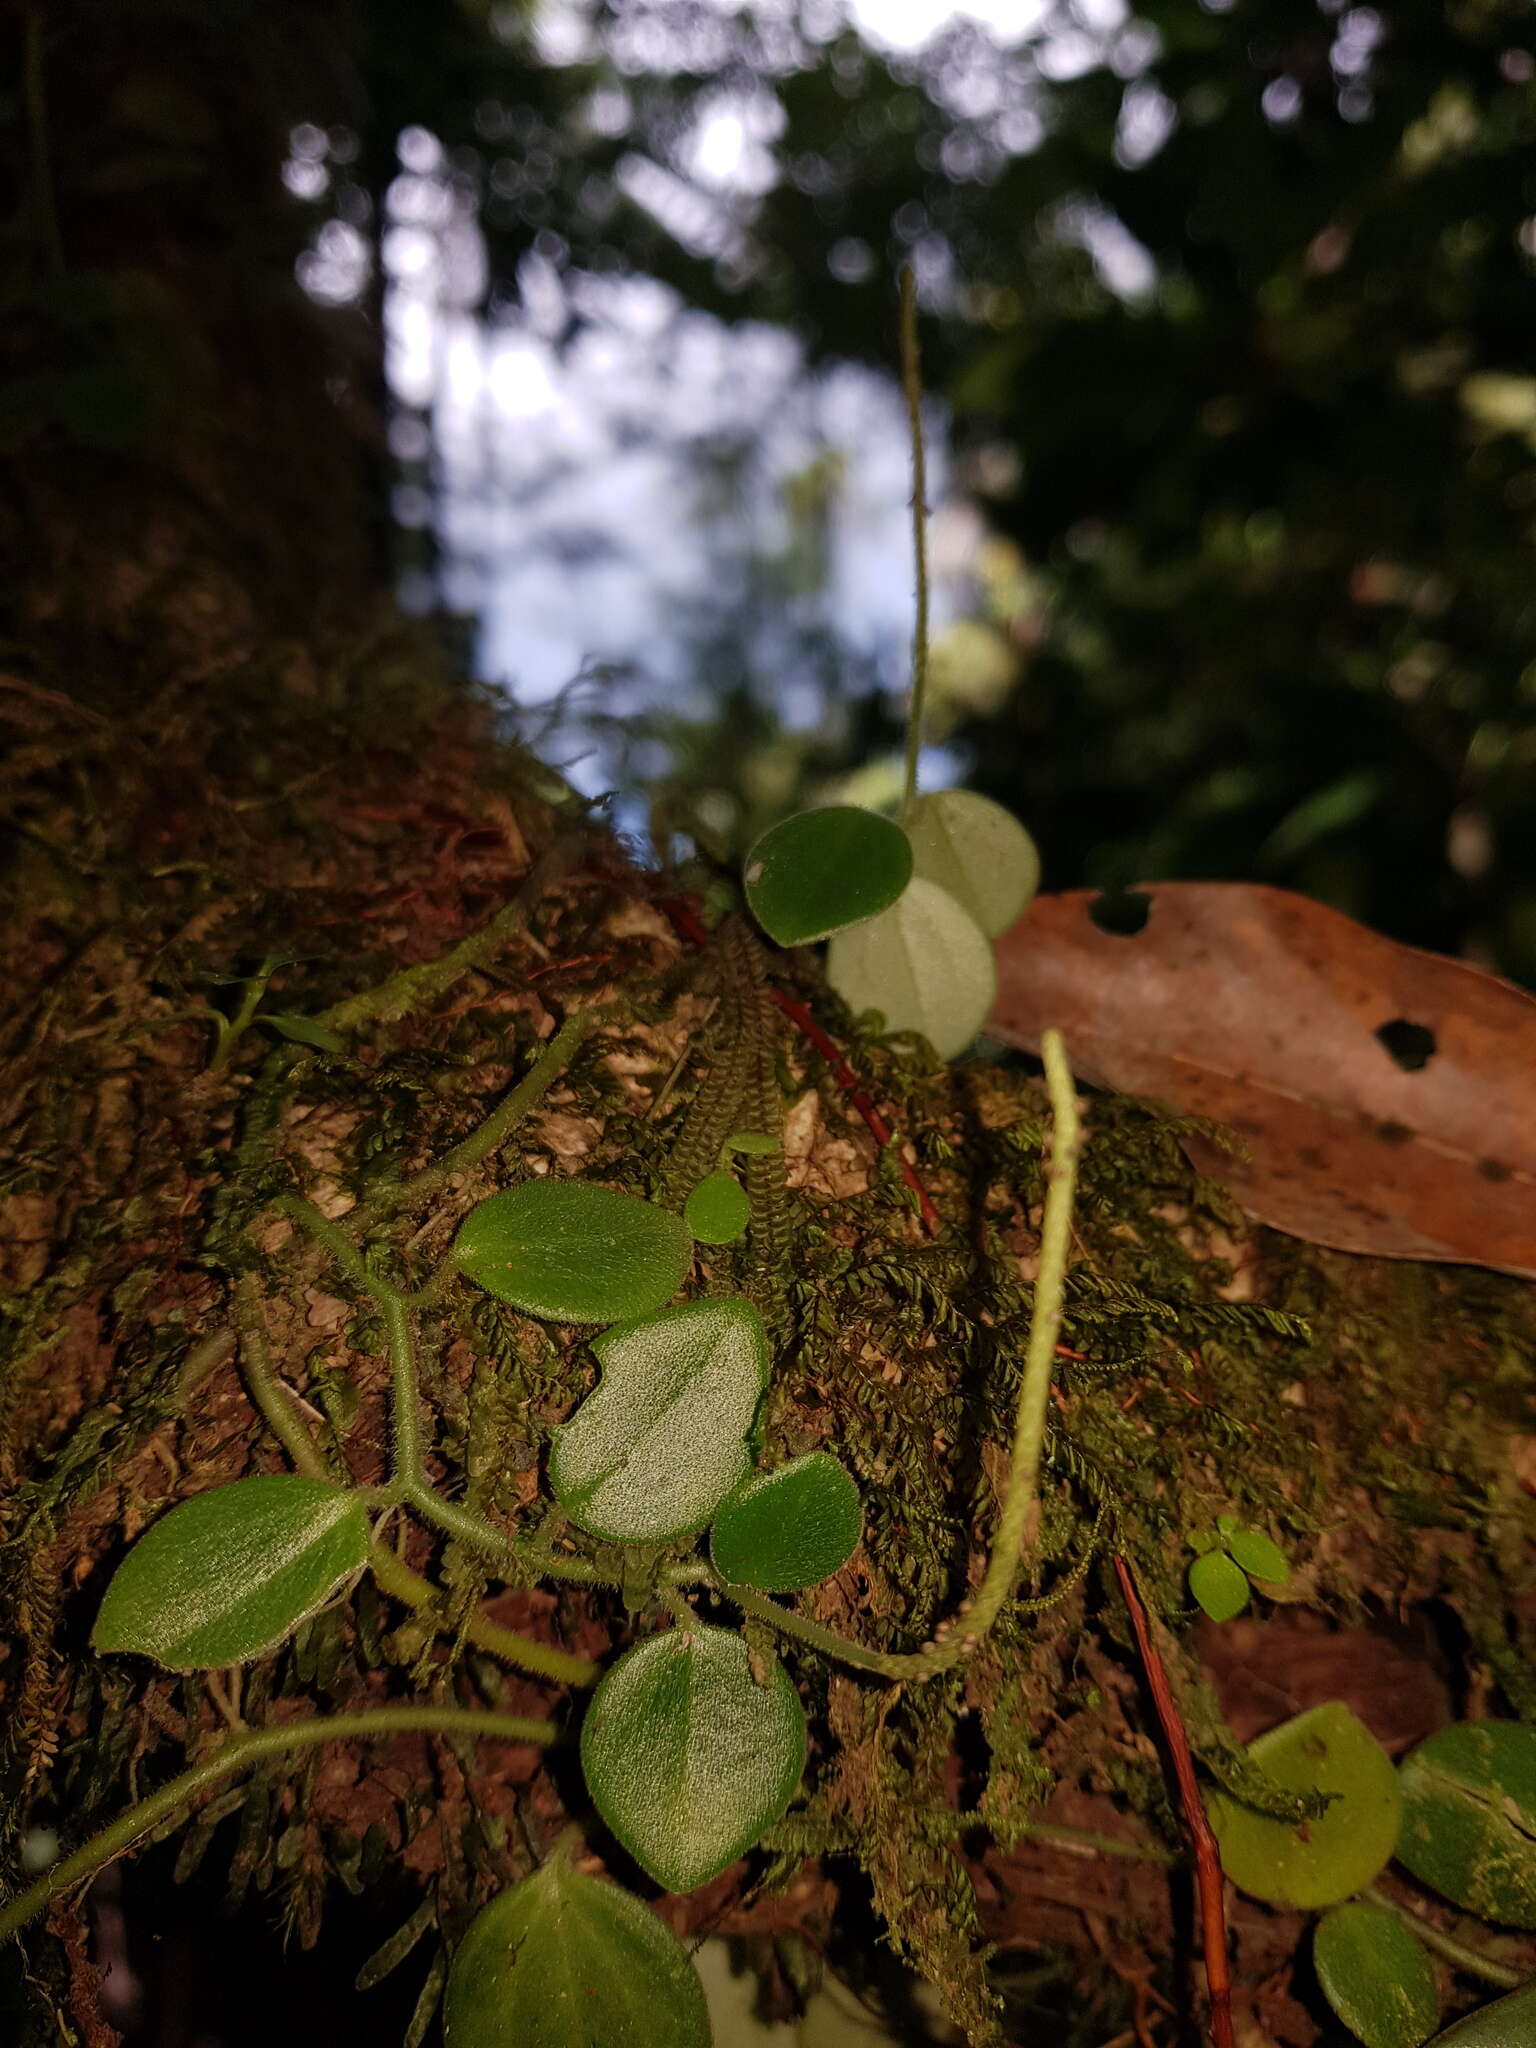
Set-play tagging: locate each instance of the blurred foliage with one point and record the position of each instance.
(1271, 501)
(1233, 307)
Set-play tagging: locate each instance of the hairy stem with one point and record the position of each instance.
(271, 1399)
(539, 1660)
(413, 987)
(236, 1755)
(957, 1638)
(270, 1394)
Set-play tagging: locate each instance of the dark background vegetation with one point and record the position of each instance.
(1271, 612)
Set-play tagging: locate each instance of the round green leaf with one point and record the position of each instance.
(925, 964)
(574, 1253)
(233, 1571)
(652, 1451)
(565, 1961)
(1469, 1818)
(977, 851)
(789, 1528)
(1377, 1975)
(754, 1144)
(1258, 1556)
(717, 1212)
(1507, 2023)
(1318, 1862)
(1219, 1585)
(818, 872)
(687, 1757)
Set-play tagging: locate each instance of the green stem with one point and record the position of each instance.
(228, 1030)
(955, 1639)
(270, 1397)
(235, 1755)
(512, 1108)
(1454, 1951)
(912, 384)
(540, 1660)
(409, 1469)
(270, 1394)
(339, 1245)
(414, 986)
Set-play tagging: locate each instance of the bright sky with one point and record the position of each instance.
(908, 24)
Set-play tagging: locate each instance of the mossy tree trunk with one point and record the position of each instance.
(228, 754)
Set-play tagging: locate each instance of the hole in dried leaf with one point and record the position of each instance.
(1411, 1045)
(1121, 912)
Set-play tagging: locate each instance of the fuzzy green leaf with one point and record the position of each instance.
(1469, 1818)
(574, 1253)
(1377, 1975)
(1258, 1556)
(568, 1961)
(688, 1759)
(1318, 1862)
(650, 1454)
(1507, 2023)
(717, 1212)
(821, 871)
(977, 851)
(789, 1528)
(1218, 1585)
(230, 1573)
(925, 964)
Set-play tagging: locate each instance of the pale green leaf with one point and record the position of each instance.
(977, 851)
(303, 1031)
(821, 871)
(574, 1253)
(925, 964)
(650, 1454)
(688, 1759)
(1377, 1975)
(789, 1528)
(717, 1212)
(1218, 1584)
(563, 1960)
(230, 1573)
(754, 1144)
(1507, 2023)
(1258, 1556)
(1469, 1818)
(1314, 1862)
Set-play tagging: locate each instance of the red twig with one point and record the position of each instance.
(1208, 1878)
(843, 1074)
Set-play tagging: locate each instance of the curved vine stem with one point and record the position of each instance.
(235, 1755)
(958, 1637)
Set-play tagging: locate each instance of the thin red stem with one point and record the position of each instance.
(797, 1013)
(1208, 1877)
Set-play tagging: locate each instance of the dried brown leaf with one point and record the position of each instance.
(1386, 1097)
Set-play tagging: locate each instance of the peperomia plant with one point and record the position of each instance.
(1459, 1813)
(1228, 1557)
(694, 1742)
